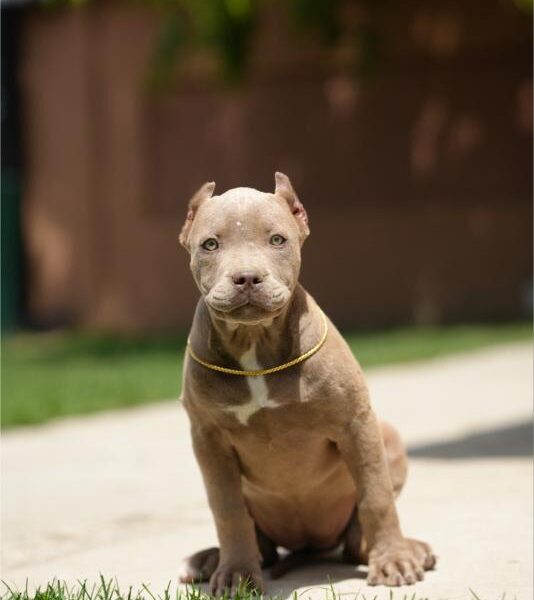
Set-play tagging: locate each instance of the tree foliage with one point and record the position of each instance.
(226, 30)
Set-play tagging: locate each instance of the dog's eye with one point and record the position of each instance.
(277, 239)
(210, 244)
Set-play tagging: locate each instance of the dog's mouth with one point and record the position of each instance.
(248, 306)
(249, 314)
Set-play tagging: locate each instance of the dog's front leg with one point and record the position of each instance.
(239, 554)
(392, 558)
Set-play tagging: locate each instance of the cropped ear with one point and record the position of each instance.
(205, 192)
(285, 190)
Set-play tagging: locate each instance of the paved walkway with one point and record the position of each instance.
(119, 493)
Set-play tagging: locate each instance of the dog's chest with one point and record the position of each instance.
(257, 387)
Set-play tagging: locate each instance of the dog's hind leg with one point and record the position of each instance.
(200, 566)
(396, 457)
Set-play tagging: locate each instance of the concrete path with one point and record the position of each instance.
(120, 493)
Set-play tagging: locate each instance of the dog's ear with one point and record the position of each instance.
(285, 190)
(205, 192)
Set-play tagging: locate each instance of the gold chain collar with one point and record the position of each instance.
(261, 372)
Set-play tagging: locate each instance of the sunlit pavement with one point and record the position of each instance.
(120, 493)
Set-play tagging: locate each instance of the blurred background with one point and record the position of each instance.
(406, 129)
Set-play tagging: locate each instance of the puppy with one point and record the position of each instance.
(290, 450)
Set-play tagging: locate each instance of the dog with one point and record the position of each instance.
(282, 428)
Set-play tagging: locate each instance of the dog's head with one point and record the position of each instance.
(245, 249)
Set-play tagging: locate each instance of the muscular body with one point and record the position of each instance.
(296, 458)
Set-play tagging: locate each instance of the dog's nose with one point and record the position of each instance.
(247, 279)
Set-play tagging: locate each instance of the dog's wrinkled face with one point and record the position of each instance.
(245, 249)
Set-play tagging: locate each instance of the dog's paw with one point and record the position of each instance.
(229, 578)
(399, 563)
(199, 566)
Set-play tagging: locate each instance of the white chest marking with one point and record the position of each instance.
(259, 394)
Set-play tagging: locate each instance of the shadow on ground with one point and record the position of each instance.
(513, 441)
(317, 574)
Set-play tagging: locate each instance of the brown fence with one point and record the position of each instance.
(418, 185)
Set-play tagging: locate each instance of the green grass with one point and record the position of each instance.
(413, 344)
(51, 375)
(110, 590)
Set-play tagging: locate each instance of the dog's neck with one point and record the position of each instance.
(271, 342)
